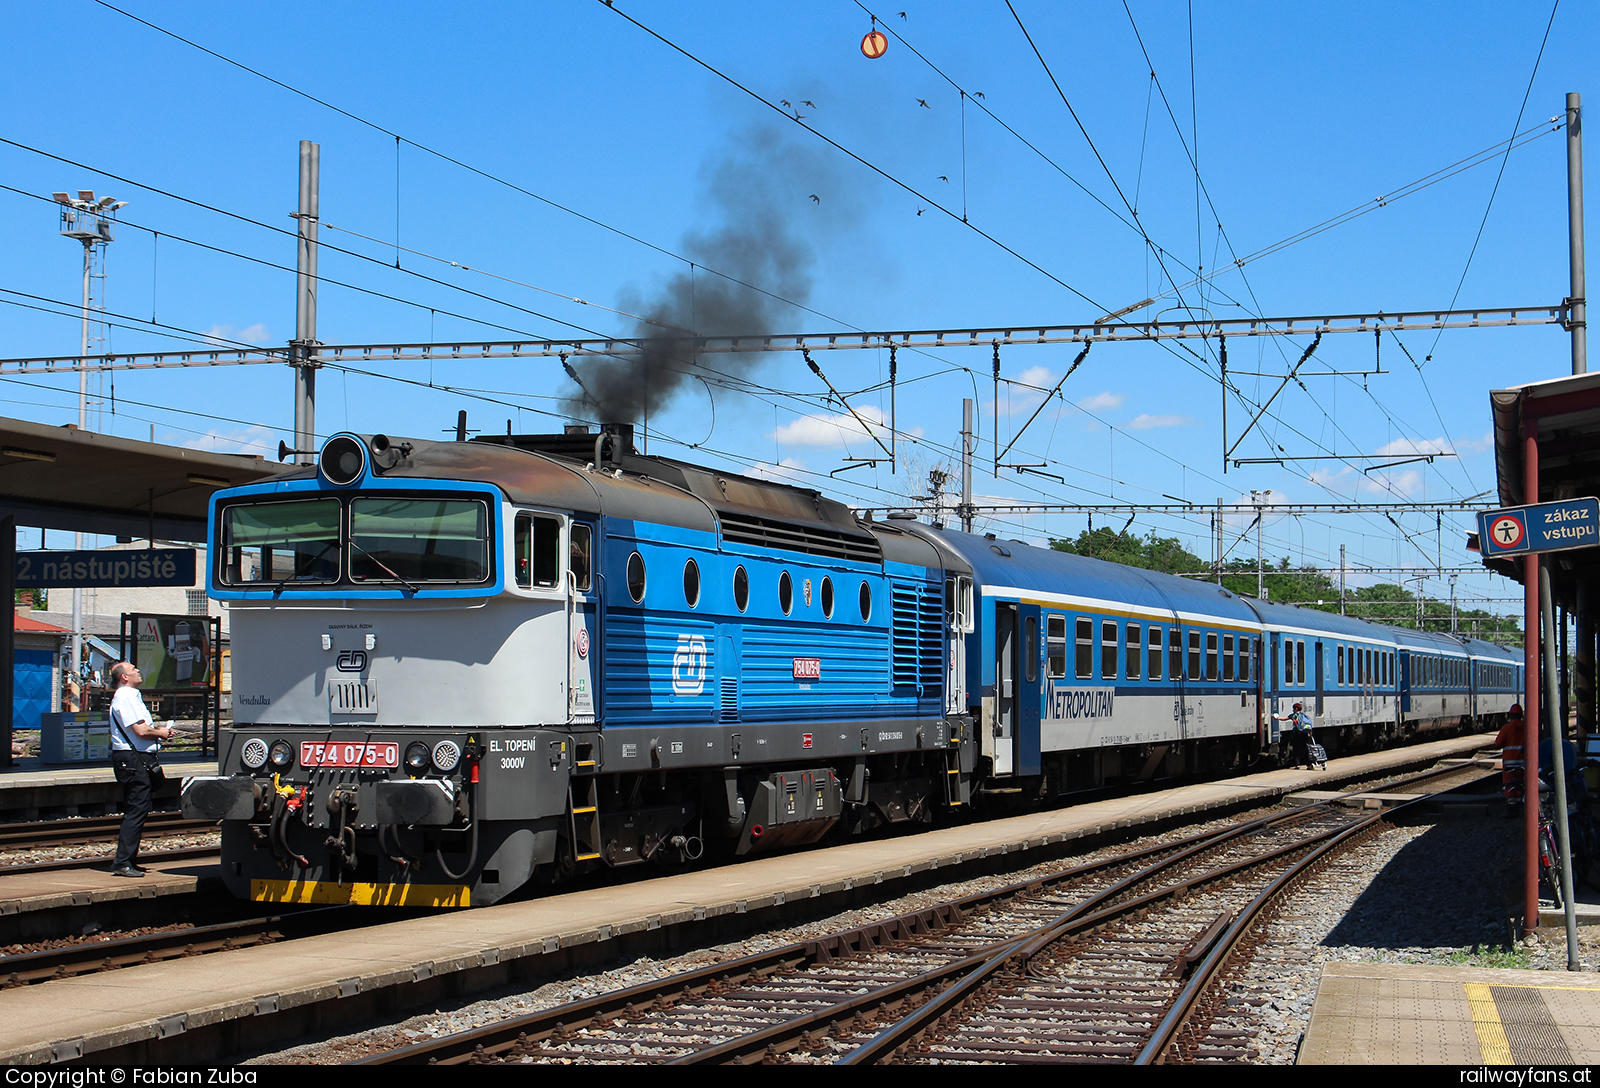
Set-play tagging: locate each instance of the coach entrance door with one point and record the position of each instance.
(1007, 674)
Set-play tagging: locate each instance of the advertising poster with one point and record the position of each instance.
(174, 653)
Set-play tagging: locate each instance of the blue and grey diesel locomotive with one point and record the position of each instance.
(459, 667)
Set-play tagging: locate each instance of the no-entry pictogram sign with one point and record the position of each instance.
(1542, 527)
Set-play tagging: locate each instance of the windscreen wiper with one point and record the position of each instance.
(382, 566)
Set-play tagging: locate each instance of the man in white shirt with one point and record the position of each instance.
(135, 740)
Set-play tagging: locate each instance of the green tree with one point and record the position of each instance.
(1160, 553)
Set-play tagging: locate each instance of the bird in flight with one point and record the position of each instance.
(923, 102)
(815, 199)
(977, 94)
(901, 14)
(921, 210)
(808, 102)
(798, 116)
(786, 103)
(944, 179)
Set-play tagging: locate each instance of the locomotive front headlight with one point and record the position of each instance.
(446, 754)
(281, 755)
(417, 758)
(254, 755)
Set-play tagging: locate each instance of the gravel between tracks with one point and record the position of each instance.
(92, 852)
(1403, 896)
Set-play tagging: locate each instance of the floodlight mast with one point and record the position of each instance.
(91, 222)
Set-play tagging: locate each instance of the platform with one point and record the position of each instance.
(64, 1019)
(33, 790)
(1425, 1014)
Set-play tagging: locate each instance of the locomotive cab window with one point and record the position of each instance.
(578, 554)
(419, 540)
(537, 547)
(280, 542)
(958, 604)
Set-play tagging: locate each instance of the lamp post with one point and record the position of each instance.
(92, 222)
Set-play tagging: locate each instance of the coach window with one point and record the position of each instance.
(1083, 661)
(1300, 662)
(1211, 656)
(1030, 649)
(1194, 656)
(1108, 650)
(1133, 643)
(578, 555)
(1055, 641)
(1227, 657)
(636, 577)
(1153, 660)
(1174, 654)
(691, 582)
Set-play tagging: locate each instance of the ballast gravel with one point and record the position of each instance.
(1440, 891)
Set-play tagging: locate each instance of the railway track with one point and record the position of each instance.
(1099, 962)
(92, 829)
(88, 957)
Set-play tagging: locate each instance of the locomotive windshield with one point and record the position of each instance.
(282, 542)
(419, 540)
(408, 540)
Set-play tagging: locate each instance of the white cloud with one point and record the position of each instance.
(1406, 484)
(1327, 477)
(1411, 447)
(1144, 421)
(790, 470)
(229, 335)
(1040, 376)
(837, 430)
(258, 441)
(1102, 402)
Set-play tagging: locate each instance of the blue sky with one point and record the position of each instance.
(1299, 112)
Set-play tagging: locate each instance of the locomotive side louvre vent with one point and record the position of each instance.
(798, 537)
(353, 697)
(930, 640)
(728, 699)
(903, 620)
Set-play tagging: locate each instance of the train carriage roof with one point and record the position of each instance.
(1016, 565)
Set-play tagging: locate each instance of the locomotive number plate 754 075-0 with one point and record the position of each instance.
(336, 754)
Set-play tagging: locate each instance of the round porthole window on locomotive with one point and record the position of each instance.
(785, 592)
(741, 589)
(866, 602)
(691, 582)
(827, 597)
(636, 577)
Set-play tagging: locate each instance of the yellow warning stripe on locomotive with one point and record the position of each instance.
(361, 894)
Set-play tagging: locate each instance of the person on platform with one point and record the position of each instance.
(1299, 734)
(1512, 740)
(135, 740)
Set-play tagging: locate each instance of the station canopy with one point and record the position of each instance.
(79, 481)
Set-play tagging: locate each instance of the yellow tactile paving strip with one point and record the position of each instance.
(1427, 1014)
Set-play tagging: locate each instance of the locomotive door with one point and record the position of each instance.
(583, 635)
(1003, 728)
